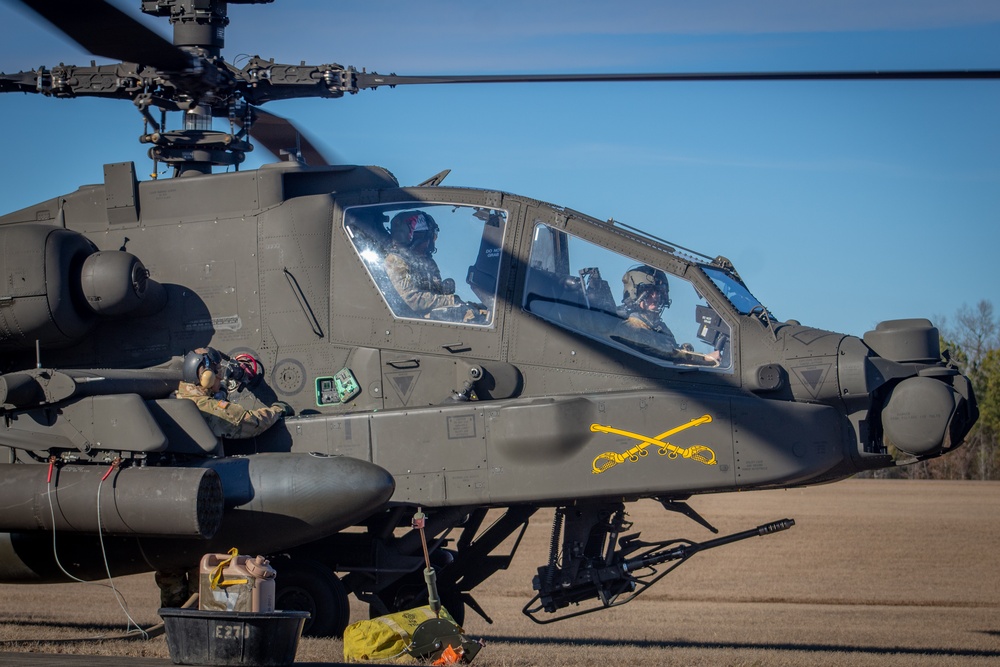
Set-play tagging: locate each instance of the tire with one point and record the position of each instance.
(306, 585)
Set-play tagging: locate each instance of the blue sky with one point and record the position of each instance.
(840, 203)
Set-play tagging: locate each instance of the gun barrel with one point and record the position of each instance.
(759, 531)
(688, 550)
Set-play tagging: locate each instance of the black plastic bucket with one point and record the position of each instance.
(264, 639)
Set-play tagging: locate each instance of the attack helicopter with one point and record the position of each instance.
(528, 389)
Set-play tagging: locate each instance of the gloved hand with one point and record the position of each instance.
(448, 286)
(286, 409)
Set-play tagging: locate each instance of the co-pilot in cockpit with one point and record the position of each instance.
(646, 294)
(564, 285)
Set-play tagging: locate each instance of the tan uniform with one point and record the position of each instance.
(229, 420)
(417, 279)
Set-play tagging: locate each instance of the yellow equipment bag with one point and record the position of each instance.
(386, 637)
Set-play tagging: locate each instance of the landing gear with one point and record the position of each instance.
(306, 585)
(598, 567)
(459, 570)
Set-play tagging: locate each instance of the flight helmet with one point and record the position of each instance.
(644, 283)
(409, 227)
(199, 363)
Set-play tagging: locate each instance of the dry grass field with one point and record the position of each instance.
(874, 573)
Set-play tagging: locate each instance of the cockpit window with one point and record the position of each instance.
(623, 302)
(735, 291)
(431, 261)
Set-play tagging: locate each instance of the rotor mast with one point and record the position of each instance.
(199, 25)
(199, 28)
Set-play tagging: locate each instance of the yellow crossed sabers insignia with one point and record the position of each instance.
(697, 452)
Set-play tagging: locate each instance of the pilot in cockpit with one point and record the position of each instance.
(646, 294)
(416, 276)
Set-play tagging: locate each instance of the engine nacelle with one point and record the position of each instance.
(58, 284)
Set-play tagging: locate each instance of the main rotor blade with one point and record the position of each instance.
(278, 134)
(22, 82)
(373, 80)
(104, 30)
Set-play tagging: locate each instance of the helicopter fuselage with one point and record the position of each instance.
(531, 389)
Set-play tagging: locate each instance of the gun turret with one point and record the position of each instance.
(618, 577)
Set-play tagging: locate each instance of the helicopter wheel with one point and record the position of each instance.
(306, 585)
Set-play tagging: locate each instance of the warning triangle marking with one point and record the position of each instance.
(403, 383)
(812, 377)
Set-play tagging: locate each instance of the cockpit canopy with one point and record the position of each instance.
(418, 281)
(442, 261)
(590, 289)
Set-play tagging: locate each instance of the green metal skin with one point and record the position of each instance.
(261, 261)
